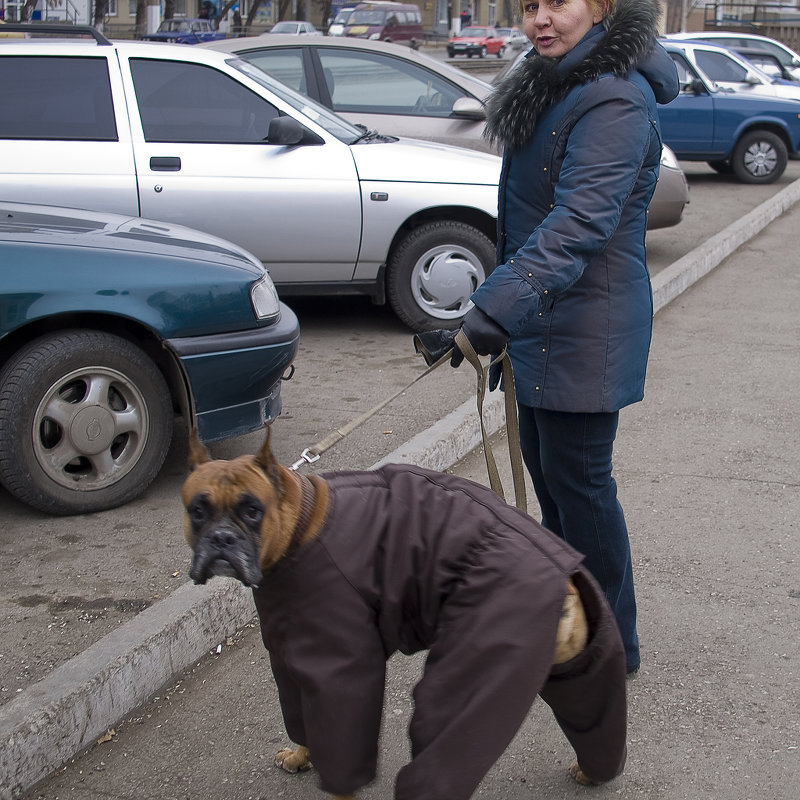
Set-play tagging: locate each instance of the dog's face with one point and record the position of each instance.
(233, 520)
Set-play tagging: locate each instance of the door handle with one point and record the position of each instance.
(165, 163)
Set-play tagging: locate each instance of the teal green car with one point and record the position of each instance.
(110, 326)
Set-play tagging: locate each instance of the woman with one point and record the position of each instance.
(582, 149)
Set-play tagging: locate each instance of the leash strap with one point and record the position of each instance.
(313, 453)
(512, 421)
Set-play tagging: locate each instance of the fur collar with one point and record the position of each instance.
(540, 82)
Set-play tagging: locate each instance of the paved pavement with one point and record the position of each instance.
(707, 467)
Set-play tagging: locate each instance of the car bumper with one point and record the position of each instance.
(461, 49)
(235, 378)
(669, 200)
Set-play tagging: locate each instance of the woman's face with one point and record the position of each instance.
(556, 26)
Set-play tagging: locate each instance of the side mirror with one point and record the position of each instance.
(287, 131)
(694, 86)
(751, 78)
(468, 108)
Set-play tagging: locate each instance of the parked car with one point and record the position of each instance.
(478, 41)
(198, 137)
(298, 27)
(734, 40)
(336, 28)
(386, 22)
(384, 86)
(672, 190)
(748, 135)
(109, 326)
(185, 31)
(514, 38)
(405, 93)
(729, 70)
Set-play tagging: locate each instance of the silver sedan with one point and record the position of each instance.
(399, 91)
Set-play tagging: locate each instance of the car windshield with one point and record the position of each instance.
(285, 27)
(342, 17)
(367, 18)
(474, 32)
(325, 118)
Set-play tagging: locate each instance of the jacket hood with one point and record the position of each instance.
(626, 40)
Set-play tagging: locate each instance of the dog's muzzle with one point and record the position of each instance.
(225, 551)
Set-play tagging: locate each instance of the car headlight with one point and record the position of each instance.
(375, 36)
(264, 298)
(668, 159)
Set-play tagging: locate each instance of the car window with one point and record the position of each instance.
(779, 53)
(367, 17)
(685, 72)
(322, 116)
(719, 67)
(285, 64)
(181, 102)
(55, 97)
(378, 84)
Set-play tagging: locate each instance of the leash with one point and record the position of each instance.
(312, 454)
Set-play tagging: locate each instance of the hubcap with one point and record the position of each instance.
(760, 159)
(443, 280)
(90, 428)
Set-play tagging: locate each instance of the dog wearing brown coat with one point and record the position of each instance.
(346, 568)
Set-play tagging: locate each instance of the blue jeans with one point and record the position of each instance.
(569, 458)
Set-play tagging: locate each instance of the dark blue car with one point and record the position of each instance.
(109, 327)
(748, 135)
(185, 31)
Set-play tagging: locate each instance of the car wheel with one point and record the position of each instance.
(723, 167)
(482, 54)
(85, 422)
(501, 51)
(451, 54)
(434, 271)
(759, 157)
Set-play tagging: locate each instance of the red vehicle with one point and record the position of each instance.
(476, 40)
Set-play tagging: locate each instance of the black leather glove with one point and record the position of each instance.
(484, 334)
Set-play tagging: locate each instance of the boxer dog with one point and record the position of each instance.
(347, 568)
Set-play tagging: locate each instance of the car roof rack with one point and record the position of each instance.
(54, 28)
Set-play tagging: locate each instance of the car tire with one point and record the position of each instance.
(85, 422)
(501, 51)
(482, 53)
(759, 157)
(433, 272)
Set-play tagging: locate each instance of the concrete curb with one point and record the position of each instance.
(68, 710)
(62, 714)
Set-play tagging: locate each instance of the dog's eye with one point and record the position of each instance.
(198, 512)
(251, 512)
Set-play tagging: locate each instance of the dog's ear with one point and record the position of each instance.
(198, 454)
(264, 459)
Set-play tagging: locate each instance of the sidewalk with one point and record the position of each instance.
(707, 467)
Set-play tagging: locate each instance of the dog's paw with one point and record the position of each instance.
(581, 777)
(293, 760)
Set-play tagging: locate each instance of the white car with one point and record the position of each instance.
(787, 57)
(205, 139)
(295, 27)
(731, 71)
